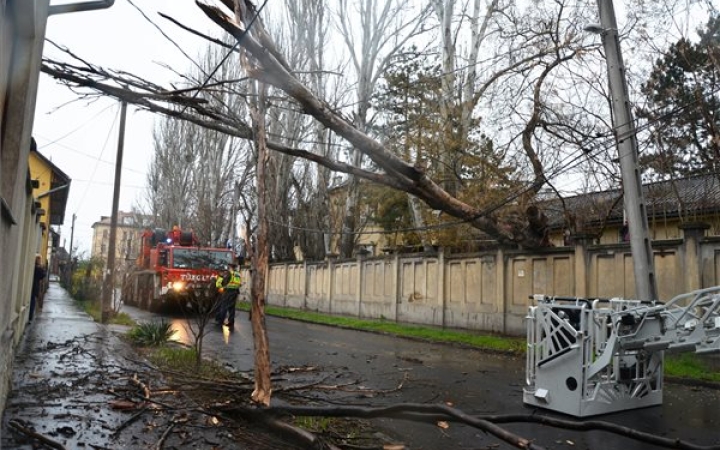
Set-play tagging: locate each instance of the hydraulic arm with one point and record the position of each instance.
(595, 356)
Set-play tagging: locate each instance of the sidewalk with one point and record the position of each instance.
(71, 384)
(62, 364)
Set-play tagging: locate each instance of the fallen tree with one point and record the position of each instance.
(265, 63)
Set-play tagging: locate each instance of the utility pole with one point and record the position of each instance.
(624, 129)
(233, 224)
(72, 235)
(109, 279)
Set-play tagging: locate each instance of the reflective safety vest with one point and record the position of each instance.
(235, 280)
(219, 282)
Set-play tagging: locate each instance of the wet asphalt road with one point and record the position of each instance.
(473, 381)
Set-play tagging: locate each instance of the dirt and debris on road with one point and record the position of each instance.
(76, 384)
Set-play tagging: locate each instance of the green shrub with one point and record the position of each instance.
(185, 360)
(180, 359)
(151, 334)
(86, 281)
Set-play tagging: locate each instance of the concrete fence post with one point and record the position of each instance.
(502, 301)
(442, 297)
(582, 263)
(396, 286)
(693, 233)
(331, 283)
(361, 274)
(306, 283)
(286, 287)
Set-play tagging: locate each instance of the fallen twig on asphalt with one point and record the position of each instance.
(343, 387)
(588, 425)
(161, 441)
(141, 385)
(196, 379)
(391, 411)
(432, 413)
(35, 435)
(302, 387)
(132, 419)
(234, 390)
(609, 427)
(308, 439)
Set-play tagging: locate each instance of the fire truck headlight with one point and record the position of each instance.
(178, 286)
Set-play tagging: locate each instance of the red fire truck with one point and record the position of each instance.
(170, 267)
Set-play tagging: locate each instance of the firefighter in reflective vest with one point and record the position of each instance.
(219, 291)
(231, 283)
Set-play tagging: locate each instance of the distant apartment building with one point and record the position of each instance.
(130, 227)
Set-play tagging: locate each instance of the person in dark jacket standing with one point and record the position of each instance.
(38, 277)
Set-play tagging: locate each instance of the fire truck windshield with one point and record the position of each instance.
(193, 258)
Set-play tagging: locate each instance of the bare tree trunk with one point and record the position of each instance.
(413, 201)
(418, 220)
(445, 9)
(262, 391)
(347, 238)
(383, 31)
(350, 214)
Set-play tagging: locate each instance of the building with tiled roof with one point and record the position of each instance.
(669, 204)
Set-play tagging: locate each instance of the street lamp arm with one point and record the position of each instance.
(53, 190)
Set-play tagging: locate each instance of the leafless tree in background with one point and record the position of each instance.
(308, 22)
(547, 32)
(383, 30)
(194, 170)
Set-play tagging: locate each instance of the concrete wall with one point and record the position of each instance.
(487, 291)
(22, 30)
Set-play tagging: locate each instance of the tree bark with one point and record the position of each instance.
(262, 391)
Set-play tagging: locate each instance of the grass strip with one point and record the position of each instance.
(93, 308)
(691, 366)
(481, 341)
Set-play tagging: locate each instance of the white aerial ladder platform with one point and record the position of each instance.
(595, 356)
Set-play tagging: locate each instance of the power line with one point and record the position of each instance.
(58, 139)
(575, 161)
(92, 175)
(88, 155)
(227, 55)
(107, 183)
(162, 32)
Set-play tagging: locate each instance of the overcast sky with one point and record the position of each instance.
(81, 137)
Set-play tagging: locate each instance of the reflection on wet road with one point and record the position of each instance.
(473, 381)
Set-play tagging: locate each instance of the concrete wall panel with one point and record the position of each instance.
(486, 291)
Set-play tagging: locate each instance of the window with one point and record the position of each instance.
(190, 258)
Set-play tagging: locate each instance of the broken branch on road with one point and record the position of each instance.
(35, 435)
